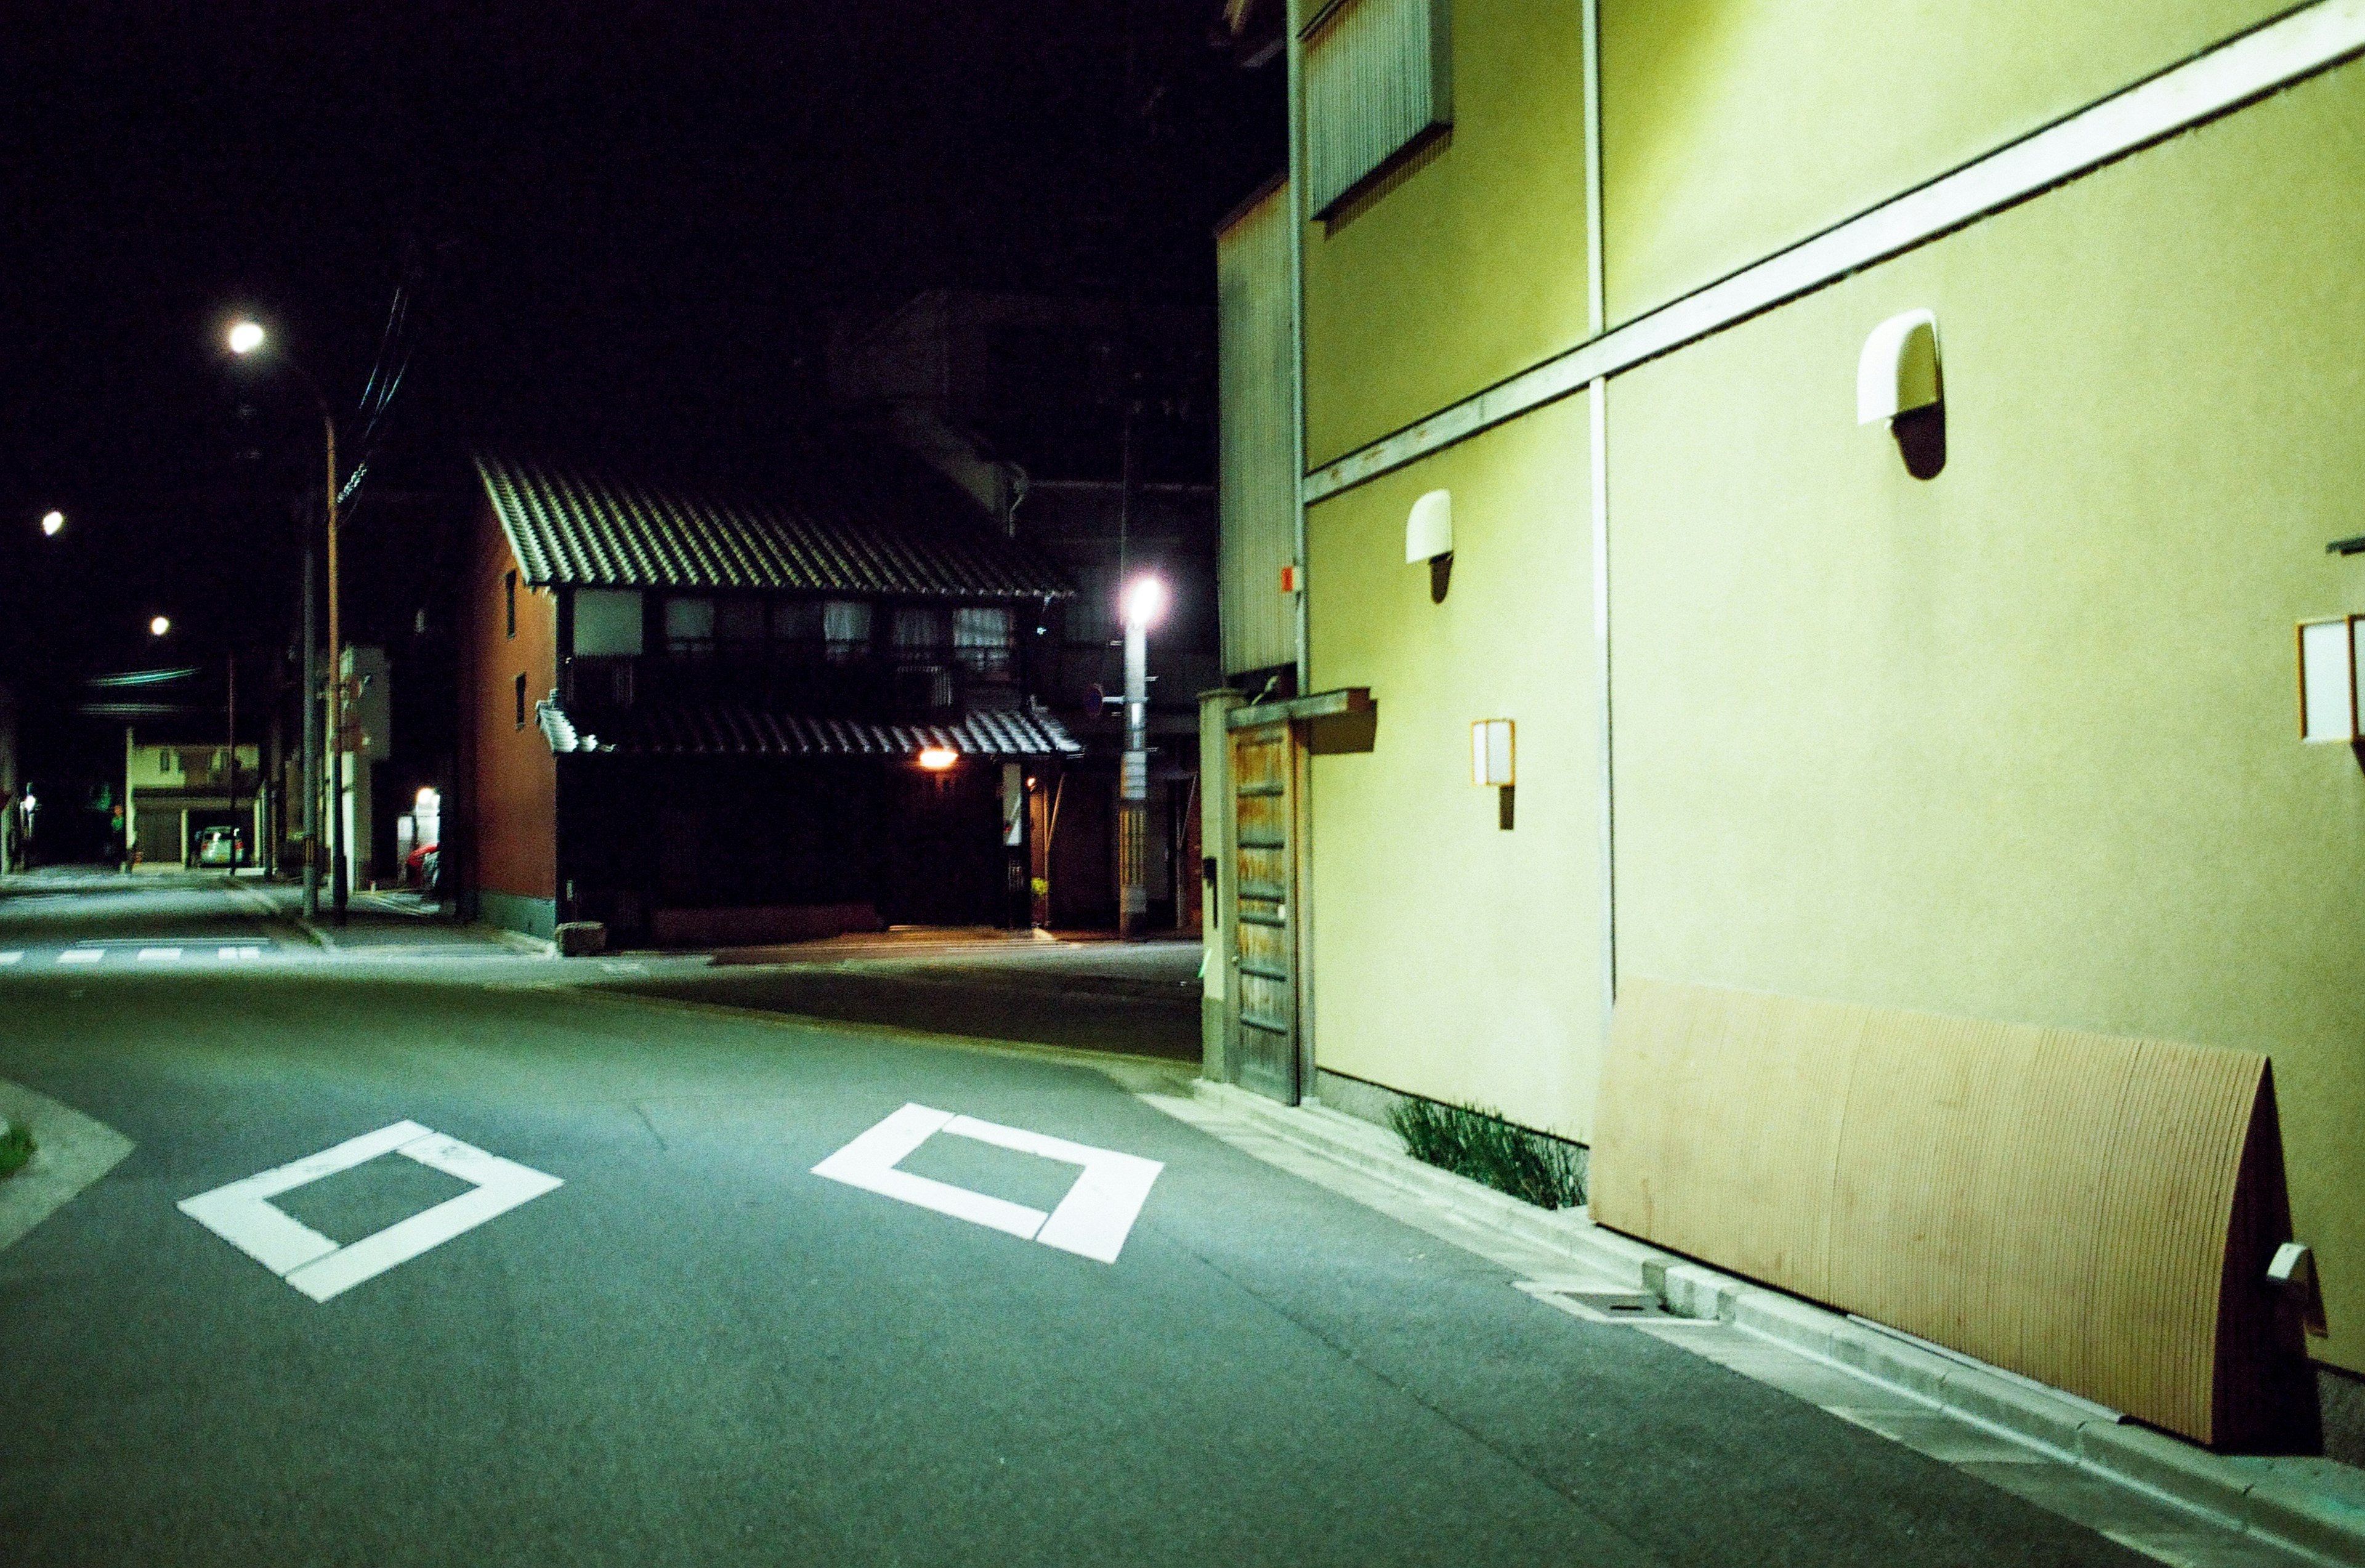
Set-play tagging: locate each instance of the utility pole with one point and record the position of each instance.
(336, 694)
(230, 708)
(311, 746)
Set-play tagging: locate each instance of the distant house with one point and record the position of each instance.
(701, 715)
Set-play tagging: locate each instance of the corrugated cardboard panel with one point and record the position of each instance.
(2050, 1201)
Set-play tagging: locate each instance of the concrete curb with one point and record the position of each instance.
(72, 1151)
(2313, 1507)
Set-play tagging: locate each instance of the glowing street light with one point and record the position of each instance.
(936, 759)
(51, 522)
(244, 337)
(160, 625)
(1144, 602)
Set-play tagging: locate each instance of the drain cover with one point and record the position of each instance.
(1600, 1303)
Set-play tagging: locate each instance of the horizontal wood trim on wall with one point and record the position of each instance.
(2270, 56)
(2058, 1203)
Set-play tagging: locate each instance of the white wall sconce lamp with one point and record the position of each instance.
(2292, 1271)
(1898, 380)
(1493, 762)
(1429, 536)
(2331, 653)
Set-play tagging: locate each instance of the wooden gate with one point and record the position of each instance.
(1263, 946)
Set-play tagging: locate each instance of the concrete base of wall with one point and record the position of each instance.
(2342, 1397)
(759, 925)
(1213, 1062)
(514, 911)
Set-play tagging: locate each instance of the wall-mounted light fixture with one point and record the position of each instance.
(1493, 763)
(1898, 380)
(936, 759)
(2330, 653)
(1429, 536)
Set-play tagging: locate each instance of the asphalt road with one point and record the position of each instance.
(695, 1349)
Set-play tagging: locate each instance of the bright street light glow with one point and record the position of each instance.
(159, 626)
(936, 759)
(1145, 601)
(52, 521)
(245, 337)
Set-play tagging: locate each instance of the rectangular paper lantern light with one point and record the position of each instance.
(2330, 653)
(1490, 752)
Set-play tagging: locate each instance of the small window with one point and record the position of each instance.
(607, 623)
(982, 641)
(690, 627)
(521, 702)
(845, 630)
(921, 635)
(740, 621)
(1378, 83)
(509, 601)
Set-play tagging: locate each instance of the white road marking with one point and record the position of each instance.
(159, 955)
(623, 966)
(1091, 1221)
(242, 1215)
(83, 956)
(11, 958)
(236, 953)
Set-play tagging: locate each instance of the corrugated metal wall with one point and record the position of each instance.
(1377, 74)
(1257, 491)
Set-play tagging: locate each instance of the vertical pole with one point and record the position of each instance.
(230, 707)
(1132, 789)
(337, 847)
(130, 823)
(311, 744)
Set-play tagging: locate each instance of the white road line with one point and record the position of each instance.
(83, 956)
(159, 955)
(11, 958)
(237, 953)
(242, 1215)
(1091, 1221)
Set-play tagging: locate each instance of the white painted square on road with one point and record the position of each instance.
(243, 1214)
(11, 958)
(159, 955)
(237, 953)
(83, 956)
(1091, 1221)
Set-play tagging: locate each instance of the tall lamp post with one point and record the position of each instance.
(1144, 602)
(246, 337)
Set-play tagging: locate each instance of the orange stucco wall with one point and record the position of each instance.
(515, 777)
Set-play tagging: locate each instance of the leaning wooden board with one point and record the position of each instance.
(2090, 1211)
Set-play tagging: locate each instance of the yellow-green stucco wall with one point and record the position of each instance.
(1731, 129)
(1453, 958)
(1472, 266)
(2020, 742)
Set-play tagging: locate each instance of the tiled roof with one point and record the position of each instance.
(728, 730)
(876, 521)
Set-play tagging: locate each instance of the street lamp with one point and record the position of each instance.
(160, 625)
(245, 338)
(51, 522)
(1143, 604)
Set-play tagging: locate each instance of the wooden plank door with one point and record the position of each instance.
(1263, 942)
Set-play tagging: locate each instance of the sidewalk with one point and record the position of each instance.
(2154, 1494)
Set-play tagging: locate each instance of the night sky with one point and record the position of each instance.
(620, 226)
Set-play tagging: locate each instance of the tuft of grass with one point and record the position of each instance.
(1482, 1145)
(16, 1146)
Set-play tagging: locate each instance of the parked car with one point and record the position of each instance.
(219, 847)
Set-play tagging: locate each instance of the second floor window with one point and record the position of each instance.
(690, 627)
(920, 636)
(845, 630)
(1378, 84)
(982, 641)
